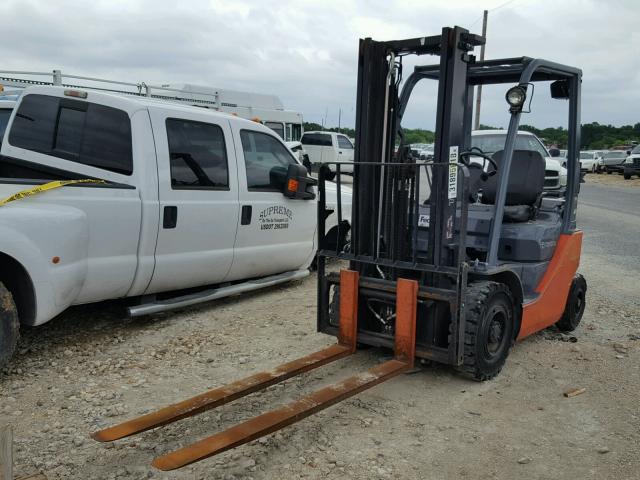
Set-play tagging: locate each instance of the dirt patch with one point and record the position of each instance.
(615, 179)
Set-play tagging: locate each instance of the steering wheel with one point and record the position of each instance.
(476, 152)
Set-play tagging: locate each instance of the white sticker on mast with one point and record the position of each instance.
(453, 172)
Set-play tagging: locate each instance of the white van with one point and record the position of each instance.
(324, 147)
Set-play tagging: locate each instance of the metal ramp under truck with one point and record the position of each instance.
(406, 304)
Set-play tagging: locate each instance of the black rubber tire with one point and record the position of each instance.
(9, 326)
(609, 172)
(487, 304)
(627, 176)
(576, 302)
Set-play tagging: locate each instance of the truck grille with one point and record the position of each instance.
(636, 162)
(551, 179)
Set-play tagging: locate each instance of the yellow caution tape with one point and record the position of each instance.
(45, 187)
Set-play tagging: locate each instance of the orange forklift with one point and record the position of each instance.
(450, 260)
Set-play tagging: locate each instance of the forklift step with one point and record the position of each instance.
(406, 306)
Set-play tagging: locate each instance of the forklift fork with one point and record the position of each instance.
(405, 334)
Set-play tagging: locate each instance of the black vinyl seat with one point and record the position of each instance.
(525, 186)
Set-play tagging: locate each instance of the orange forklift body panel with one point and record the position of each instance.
(554, 287)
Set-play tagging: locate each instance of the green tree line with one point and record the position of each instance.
(594, 136)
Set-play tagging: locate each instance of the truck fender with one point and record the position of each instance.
(49, 244)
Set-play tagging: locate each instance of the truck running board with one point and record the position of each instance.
(406, 304)
(215, 293)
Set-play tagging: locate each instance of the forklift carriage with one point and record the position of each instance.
(449, 260)
(495, 257)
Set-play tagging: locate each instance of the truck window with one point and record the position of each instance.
(82, 132)
(5, 113)
(197, 154)
(276, 127)
(262, 152)
(319, 139)
(344, 143)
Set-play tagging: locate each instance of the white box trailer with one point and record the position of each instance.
(266, 109)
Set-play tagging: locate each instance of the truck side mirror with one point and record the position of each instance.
(295, 182)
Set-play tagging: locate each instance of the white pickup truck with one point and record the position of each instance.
(327, 147)
(193, 202)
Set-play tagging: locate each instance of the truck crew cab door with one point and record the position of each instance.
(345, 149)
(275, 233)
(198, 194)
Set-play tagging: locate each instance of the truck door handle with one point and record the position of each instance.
(170, 217)
(340, 152)
(245, 217)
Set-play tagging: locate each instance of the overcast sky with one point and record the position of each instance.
(306, 51)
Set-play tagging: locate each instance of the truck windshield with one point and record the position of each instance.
(491, 143)
(5, 113)
(636, 150)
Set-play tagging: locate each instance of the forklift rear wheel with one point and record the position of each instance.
(576, 302)
(9, 326)
(489, 335)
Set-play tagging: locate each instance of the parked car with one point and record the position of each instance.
(182, 197)
(589, 161)
(613, 161)
(423, 151)
(632, 163)
(324, 147)
(490, 141)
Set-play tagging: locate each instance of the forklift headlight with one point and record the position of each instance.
(515, 98)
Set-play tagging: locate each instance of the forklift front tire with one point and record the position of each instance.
(576, 302)
(9, 326)
(489, 329)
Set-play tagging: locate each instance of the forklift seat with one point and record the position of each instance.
(525, 186)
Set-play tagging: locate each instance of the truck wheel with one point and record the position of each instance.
(489, 329)
(609, 172)
(576, 302)
(9, 326)
(627, 176)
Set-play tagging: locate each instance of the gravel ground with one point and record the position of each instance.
(612, 179)
(93, 367)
